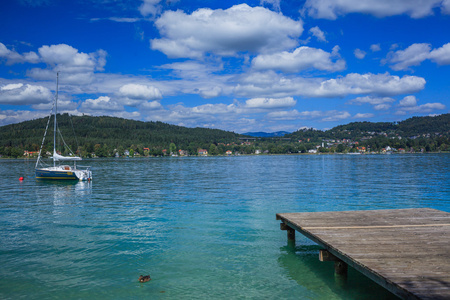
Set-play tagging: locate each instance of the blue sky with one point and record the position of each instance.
(269, 65)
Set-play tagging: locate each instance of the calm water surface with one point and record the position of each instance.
(203, 228)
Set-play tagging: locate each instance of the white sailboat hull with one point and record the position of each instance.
(63, 173)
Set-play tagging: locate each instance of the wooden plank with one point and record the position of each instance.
(406, 251)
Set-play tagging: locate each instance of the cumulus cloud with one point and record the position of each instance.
(150, 8)
(210, 92)
(359, 54)
(363, 116)
(270, 84)
(380, 84)
(408, 101)
(24, 94)
(102, 103)
(275, 4)
(325, 116)
(13, 57)
(375, 47)
(319, 34)
(270, 103)
(151, 105)
(409, 105)
(140, 92)
(300, 59)
(76, 67)
(17, 116)
(240, 28)
(331, 9)
(441, 55)
(411, 56)
(415, 54)
(379, 103)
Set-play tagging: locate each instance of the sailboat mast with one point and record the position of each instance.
(54, 125)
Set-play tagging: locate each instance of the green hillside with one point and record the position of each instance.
(105, 136)
(112, 133)
(415, 126)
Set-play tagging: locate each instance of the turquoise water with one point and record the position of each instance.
(203, 228)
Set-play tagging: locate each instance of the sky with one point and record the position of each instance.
(242, 66)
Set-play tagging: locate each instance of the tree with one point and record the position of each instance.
(16, 152)
(172, 148)
(213, 150)
(340, 148)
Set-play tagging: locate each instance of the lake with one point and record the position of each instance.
(202, 227)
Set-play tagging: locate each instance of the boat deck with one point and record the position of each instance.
(407, 251)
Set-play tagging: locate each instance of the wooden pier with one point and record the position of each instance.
(407, 251)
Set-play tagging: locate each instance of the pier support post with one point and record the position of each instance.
(340, 267)
(290, 232)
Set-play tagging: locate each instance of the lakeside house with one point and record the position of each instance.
(27, 153)
(202, 152)
(228, 153)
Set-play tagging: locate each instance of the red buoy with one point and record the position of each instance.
(21, 178)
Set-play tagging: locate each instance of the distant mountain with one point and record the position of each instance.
(267, 134)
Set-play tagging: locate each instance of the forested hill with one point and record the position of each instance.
(415, 126)
(113, 132)
(105, 136)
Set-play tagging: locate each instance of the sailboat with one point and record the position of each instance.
(60, 170)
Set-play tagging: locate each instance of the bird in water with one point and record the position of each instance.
(144, 278)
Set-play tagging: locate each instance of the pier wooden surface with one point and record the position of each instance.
(406, 251)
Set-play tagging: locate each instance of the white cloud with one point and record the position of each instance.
(415, 54)
(411, 56)
(270, 103)
(375, 47)
(363, 116)
(441, 55)
(335, 115)
(13, 57)
(408, 101)
(275, 4)
(240, 28)
(331, 9)
(140, 92)
(446, 6)
(24, 94)
(300, 59)
(17, 116)
(379, 103)
(102, 103)
(319, 34)
(76, 67)
(325, 116)
(408, 105)
(270, 84)
(380, 84)
(210, 92)
(150, 7)
(151, 105)
(359, 54)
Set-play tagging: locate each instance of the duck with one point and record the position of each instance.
(144, 278)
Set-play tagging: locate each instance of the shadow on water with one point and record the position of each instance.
(301, 264)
